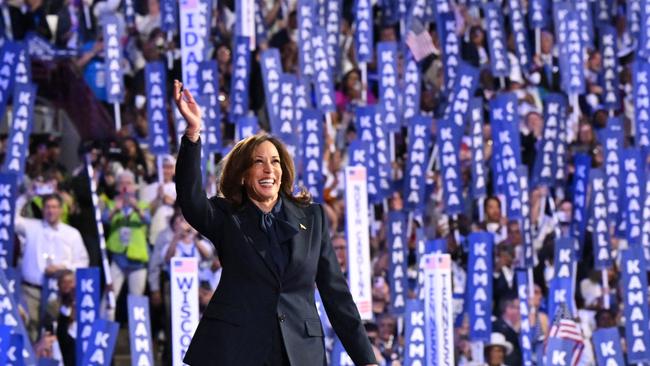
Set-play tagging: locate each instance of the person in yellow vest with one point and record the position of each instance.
(128, 221)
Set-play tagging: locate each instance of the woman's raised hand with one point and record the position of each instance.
(189, 109)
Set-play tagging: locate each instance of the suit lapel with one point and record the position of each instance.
(300, 243)
(250, 228)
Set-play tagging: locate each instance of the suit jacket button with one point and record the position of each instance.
(282, 318)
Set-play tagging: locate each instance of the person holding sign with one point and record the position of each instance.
(273, 246)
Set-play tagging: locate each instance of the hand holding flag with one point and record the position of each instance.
(189, 109)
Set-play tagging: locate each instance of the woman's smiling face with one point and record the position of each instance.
(263, 179)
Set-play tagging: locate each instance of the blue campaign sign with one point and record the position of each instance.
(479, 172)
(603, 10)
(323, 82)
(364, 40)
(101, 343)
(641, 95)
(8, 194)
(364, 123)
(633, 16)
(338, 356)
(415, 177)
(168, 16)
(526, 333)
(271, 66)
(247, 126)
(546, 160)
(582, 163)
(600, 226)
(644, 33)
(611, 138)
(333, 33)
(10, 52)
(312, 154)
(571, 54)
(388, 84)
(412, 82)
(563, 284)
(465, 85)
(414, 348)
(583, 8)
(303, 97)
(634, 282)
(88, 301)
(505, 132)
(286, 126)
(23, 71)
(396, 240)
(479, 285)
(241, 76)
(11, 318)
(155, 81)
(538, 13)
(113, 59)
(21, 128)
(209, 89)
(382, 151)
(499, 63)
(607, 346)
(306, 15)
(520, 34)
(632, 192)
(140, 331)
(525, 222)
(608, 78)
(448, 138)
(450, 43)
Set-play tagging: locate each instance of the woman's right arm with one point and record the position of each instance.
(199, 211)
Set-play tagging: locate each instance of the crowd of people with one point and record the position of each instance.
(55, 216)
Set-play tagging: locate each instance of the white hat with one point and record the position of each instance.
(499, 340)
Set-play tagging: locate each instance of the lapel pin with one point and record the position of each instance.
(303, 227)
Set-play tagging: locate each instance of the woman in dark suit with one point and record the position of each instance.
(273, 247)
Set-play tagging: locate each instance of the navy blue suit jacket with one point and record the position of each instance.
(251, 299)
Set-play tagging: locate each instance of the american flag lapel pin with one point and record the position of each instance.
(303, 227)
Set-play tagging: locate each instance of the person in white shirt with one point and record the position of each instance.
(161, 198)
(48, 247)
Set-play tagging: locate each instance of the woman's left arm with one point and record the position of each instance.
(338, 302)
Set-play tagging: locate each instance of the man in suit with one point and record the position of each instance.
(273, 247)
(508, 324)
(546, 64)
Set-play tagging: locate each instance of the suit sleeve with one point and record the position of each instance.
(200, 212)
(338, 302)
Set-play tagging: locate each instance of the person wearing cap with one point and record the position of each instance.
(497, 350)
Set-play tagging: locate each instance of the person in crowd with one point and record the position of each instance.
(269, 275)
(495, 222)
(161, 197)
(127, 244)
(340, 245)
(48, 247)
(504, 283)
(508, 324)
(497, 349)
(547, 64)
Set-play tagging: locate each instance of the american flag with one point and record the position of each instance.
(356, 174)
(565, 328)
(184, 265)
(421, 44)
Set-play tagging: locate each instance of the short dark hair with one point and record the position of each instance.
(52, 196)
(491, 198)
(240, 159)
